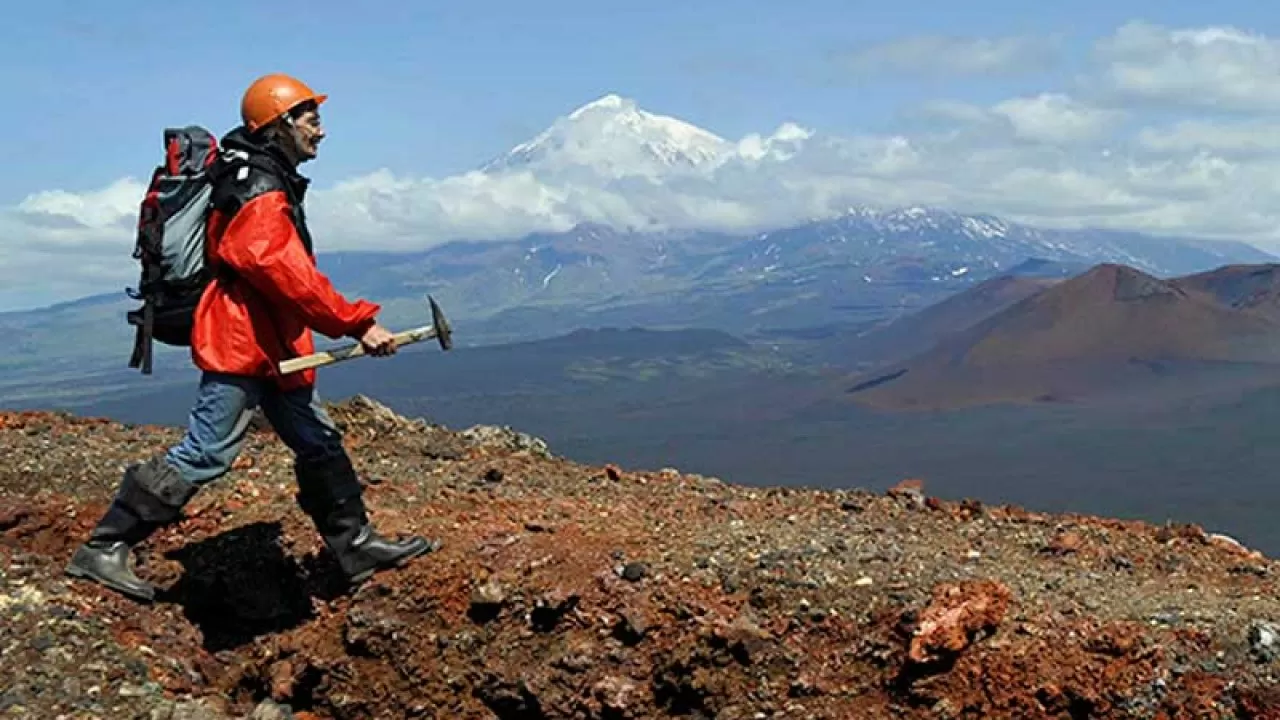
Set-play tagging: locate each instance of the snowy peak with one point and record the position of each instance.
(613, 137)
(610, 103)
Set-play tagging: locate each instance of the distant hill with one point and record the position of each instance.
(1107, 331)
(1043, 268)
(1253, 287)
(918, 331)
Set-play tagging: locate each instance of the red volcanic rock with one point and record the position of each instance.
(957, 614)
(557, 595)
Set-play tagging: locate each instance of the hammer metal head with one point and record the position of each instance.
(444, 333)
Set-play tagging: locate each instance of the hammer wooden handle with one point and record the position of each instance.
(328, 357)
(438, 329)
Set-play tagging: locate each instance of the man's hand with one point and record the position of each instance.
(377, 340)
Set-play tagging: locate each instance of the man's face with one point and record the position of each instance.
(307, 134)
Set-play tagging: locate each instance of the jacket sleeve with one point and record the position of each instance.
(262, 246)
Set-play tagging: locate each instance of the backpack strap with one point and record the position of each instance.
(241, 176)
(142, 339)
(144, 318)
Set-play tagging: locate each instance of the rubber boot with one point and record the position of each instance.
(151, 495)
(330, 494)
(104, 558)
(360, 550)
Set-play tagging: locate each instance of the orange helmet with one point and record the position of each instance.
(271, 96)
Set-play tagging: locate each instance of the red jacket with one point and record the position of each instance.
(267, 294)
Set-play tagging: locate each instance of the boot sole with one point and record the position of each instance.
(428, 547)
(76, 571)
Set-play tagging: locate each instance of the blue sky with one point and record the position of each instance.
(437, 87)
(1170, 129)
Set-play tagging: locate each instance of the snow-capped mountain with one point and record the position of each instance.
(612, 137)
(619, 215)
(610, 163)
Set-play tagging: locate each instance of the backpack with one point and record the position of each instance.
(171, 243)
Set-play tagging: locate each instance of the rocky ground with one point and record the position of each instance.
(569, 591)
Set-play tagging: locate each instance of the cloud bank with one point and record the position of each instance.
(950, 56)
(1167, 130)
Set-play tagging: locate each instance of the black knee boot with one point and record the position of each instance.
(151, 495)
(330, 493)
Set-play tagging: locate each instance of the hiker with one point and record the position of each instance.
(265, 298)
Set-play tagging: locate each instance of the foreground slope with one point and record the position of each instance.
(566, 591)
(1110, 330)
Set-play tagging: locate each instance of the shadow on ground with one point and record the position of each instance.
(242, 584)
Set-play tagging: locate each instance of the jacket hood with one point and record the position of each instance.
(241, 139)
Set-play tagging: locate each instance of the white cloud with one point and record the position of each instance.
(1055, 118)
(52, 255)
(781, 145)
(1051, 158)
(1049, 118)
(1232, 139)
(1211, 68)
(64, 244)
(943, 55)
(111, 207)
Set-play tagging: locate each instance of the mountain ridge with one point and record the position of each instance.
(857, 270)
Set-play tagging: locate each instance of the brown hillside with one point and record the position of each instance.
(1251, 287)
(917, 332)
(1102, 331)
(567, 591)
